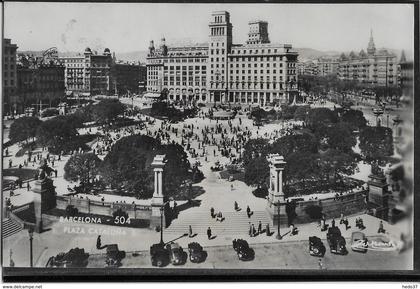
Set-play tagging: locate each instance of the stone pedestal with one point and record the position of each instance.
(158, 201)
(275, 202)
(378, 195)
(44, 200)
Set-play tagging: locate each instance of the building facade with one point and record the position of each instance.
(127, 77)
(257, 72)
(374, 67)
(101, 74)
(40, 82)
(89, 74)
(9, 76)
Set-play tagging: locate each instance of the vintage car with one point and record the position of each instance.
(336, 241)
(245, 253)
(217, 167)
(159, 255)
(114, 255)
(197, 254)
(177, 256)
(75, 258)
(316, 247)
(359, 242)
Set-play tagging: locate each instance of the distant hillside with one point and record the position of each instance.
(132, 56)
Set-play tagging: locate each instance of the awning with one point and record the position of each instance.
(85, 94)
(151, 95)
(68, 93)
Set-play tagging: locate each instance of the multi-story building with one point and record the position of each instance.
(374, 67)
(127, 77)
(257, 72)
(40, 82)
(89, 74)
(327, 66)
(9, 76)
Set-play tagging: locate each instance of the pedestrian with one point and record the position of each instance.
(190, 232)
(55, 172)
(209, 233)
(381, 228)
(254, 232)
(346, 222)
(28, 186)
(235, 205)
(333, 223)
(10, 163)
(259, 227)
(98, 242)
(320, 264)
(323, 228)
(341, 218)
(248, 211)
(219, 217)
(267, 230)
(212, 212)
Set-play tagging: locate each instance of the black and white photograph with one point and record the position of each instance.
(203, 137)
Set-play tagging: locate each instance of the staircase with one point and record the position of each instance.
(10, 227)
(235, 223)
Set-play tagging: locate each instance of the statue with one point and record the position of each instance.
(44, 170)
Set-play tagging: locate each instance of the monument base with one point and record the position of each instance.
(158, 216)
(275, 218)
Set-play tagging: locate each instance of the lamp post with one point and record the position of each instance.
(278, 237)
(161, 221)
(31, 235)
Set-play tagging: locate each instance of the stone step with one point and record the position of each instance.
(234, 223)
(10, 227)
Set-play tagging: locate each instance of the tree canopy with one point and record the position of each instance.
(107, 110)
(257, 171)
(255, 148)
(24, 128)
(354, 117)
(376, 143)
(55, 133)
(128, 165)
(82, 167)
(289, 144)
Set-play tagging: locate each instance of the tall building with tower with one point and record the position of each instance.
(376, 67)
(220, 71)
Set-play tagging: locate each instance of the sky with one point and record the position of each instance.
(126, 27)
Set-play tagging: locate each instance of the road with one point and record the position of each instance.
(291, 255)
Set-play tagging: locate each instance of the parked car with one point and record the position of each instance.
(197, 254)
(159, 255)
(359, 242)
(245, 253)
(316, 247)
(114, 256)
(75, 258)
(336, 241)
(177, 256)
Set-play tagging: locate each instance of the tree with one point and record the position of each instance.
(107, 110)
(82, 167)
(24, 128)
(259, 147)
(321, 116)
(128, 166)
(301, 112)
(257, 171)
(336, 163)
(355, 118)
(56, 134)
(376, 143)
(338, 136)
(289, 144)
(301, 166)
(259, 114)
(288, 111)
